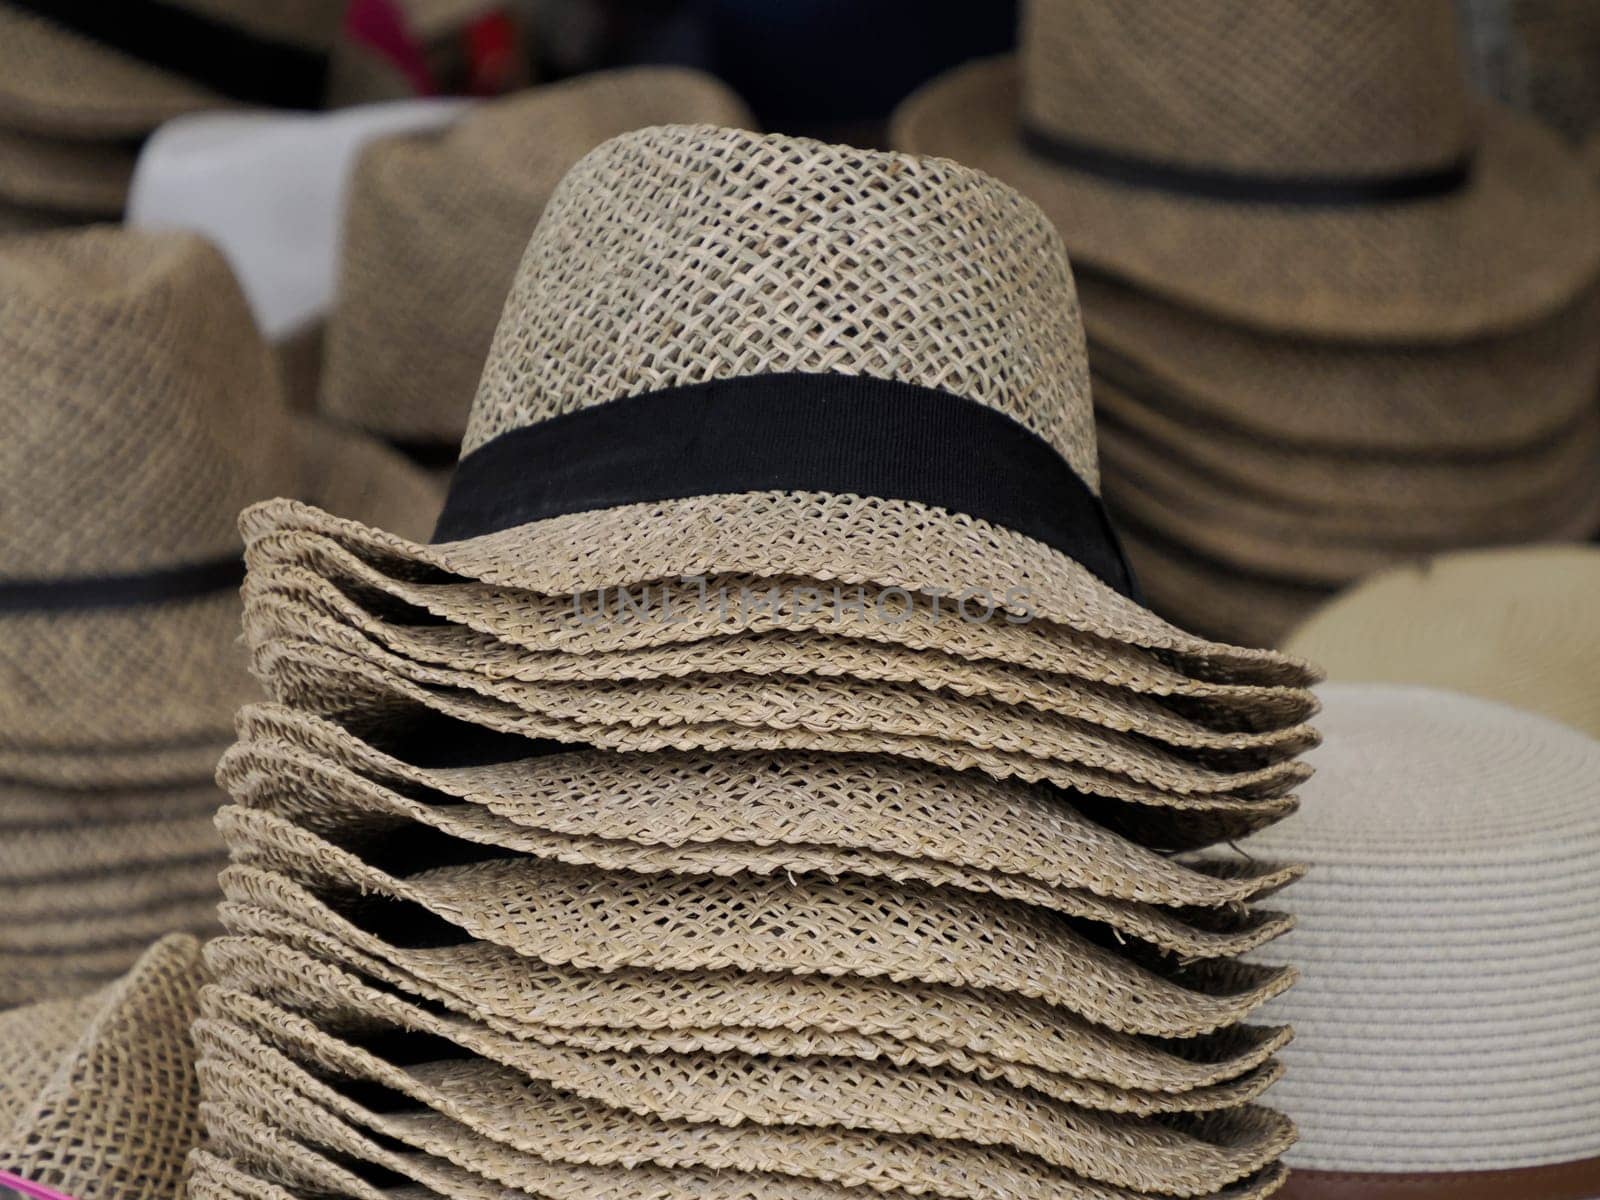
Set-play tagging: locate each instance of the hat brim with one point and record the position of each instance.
(90, 180)
(1521, 241)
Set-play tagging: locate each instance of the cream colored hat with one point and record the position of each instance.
(1518, 626)
(1321, 169)
(98, 1096)
(1447, 1036)
(433, 231)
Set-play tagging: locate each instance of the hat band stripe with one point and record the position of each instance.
(434, 454)
(799, 432)
(1558, 1181)
(223, 58)
(1239, 187)
(122, 591)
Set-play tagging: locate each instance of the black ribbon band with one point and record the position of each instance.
(842, 434)
(122, 591)
(1240, 187)
(223, 58)
(433, 454)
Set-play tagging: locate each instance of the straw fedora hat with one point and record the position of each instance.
(1514, 625)
(674, 316)
(1447, 1040)
(1321, 169)
(435, 227)
(98, 1096)
(132, 364)
(83, 71)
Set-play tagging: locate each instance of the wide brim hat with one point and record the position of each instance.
(1518, 626)
(79, 75)
(1386, 272)
(597, 279)
(1449, 938)
(435, 227)
(98, 1095)
(120, 625)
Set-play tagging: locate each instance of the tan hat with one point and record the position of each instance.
(81, 70)
(98, 1096)
(1309, 168)
(435, 226)
(87, 179)
(1515, 625)
(143, 412)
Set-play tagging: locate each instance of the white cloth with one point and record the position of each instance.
(269, 188)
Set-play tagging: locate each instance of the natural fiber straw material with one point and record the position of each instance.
(56, 82)
(883, 805)
(1493, 395)
(322, 797)
(97, 768)
(91, 179)
(839, 1098)
(1518, 626)
(262, 969)
(606, 920)
(337, 684)
(436, 224)
(990, 1034)
(673, 613)
(815, 704)
(1450, 937)
(1349, 88)
(474, 1103)
(114, 1115)
(131, 363)
(803, 243)
(285, 588)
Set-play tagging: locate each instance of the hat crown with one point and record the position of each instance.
(1292, 87)
(683, 254)
(141, 406)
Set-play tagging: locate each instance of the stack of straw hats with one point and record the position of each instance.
(433, 230)
(1341, 313)
(1447, 1039)
(81, 84)
(832, 851)
(141, 413)
(1519, 626)
(98, 1095)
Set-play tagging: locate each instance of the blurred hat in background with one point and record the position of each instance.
(1447, 1042)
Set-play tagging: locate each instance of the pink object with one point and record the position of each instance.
(33, 1190)
(380, 25)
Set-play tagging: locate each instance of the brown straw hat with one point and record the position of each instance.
(896, 315)
(1518, 626)
(435, 226)
(87, 71)
(131, 364)
(1313, 168)
(98, 1096)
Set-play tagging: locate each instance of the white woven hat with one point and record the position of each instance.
(1448, 1018)
(269, 189)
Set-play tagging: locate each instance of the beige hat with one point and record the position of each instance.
(98, 1096)
(1518, 626)
(81, 70)
(434, 228)
(1447, 1037)
(1319, 169)
(87, 179)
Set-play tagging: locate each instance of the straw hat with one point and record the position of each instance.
(1316, 169)
(1447, 1040)
(86, 179)
(1513, 625)
(131, 363)
(618, 275)
(435, 228)
(82, 72)
(98, 1096)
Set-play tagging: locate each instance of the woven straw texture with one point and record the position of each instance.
(1516, 626)
(436, 224)
(99, 1098)
(1450, 936)
(1327, 89)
